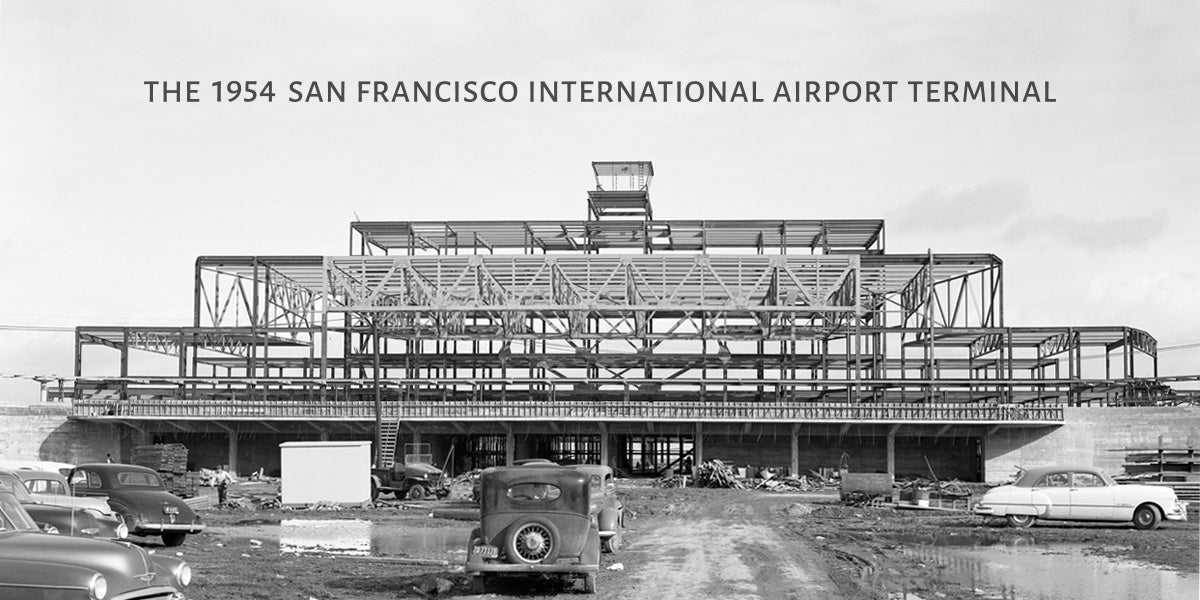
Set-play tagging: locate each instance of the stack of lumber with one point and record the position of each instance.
(164, 458)
(1163, 464)
(170, 460)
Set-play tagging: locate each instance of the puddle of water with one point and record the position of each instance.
(356, 537)
(1024, 571)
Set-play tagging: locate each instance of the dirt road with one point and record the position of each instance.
(722, 546)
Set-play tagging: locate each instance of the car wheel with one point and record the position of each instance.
(612, 544)
(1020, 521)
(1146, 517)
(589, 583)
(479, 584)
(374, 491)
(173, 539)
(532, 541)
(416, 492)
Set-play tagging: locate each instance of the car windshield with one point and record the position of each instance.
(13, 484)
(12, 516)
(138, 479)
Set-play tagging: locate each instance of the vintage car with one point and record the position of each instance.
(1079, 494)
(17, 464)
(138, 495)
(534, 521)
(34, 565)
(59, 519)
(607, 509)
(50, 488)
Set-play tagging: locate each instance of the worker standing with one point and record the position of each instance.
(224, 478)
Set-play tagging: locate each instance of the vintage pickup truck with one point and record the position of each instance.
(415, 481)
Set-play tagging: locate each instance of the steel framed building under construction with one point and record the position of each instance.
(621, 338)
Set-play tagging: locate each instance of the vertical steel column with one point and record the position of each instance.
(698, 444)
(378, 395)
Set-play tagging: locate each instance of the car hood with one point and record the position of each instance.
(124, 565)
(421, 470)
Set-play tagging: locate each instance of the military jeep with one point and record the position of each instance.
(534, 521)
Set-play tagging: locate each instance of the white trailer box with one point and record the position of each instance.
(314, 472)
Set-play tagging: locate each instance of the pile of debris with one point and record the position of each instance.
(716, 474)
(950, 488)
(795, 483)
(675, 481)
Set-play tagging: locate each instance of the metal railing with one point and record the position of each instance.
(585, 411)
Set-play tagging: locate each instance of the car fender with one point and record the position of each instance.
(609, 519)
(1011, 500)
(377, 481)
(591, 549)
(130, 515)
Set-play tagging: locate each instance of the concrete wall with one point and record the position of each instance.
(1091, 436)
(43, 432)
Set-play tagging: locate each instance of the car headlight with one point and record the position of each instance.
(183, 574)
(98, 587)
(122, 531)
(48, 528)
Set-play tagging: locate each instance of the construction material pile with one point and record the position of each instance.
(170, 460)
(797, 483)
(716, 474)
(950, 488)
(675, 481)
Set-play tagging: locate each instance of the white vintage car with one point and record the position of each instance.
(1079, 494)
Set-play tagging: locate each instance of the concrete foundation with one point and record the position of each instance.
(1089, 436)
(1092, 437)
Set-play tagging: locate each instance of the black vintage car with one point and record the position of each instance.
(534, 521)
(62, 520)
(138, 495)
(37, 566)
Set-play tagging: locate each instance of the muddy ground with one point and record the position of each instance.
(681, 543)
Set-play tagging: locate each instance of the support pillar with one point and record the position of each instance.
(233, 451)
(698, 445)
(891, 450)
(510, 448)
(604, 446)
(324, 435)
(795, 467)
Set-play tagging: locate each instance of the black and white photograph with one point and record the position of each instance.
(624, 300)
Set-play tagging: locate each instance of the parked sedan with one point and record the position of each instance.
(137, 493)
(34, 565)
(534, 521)
(50, 488)
(1079, 494)
(59, 519)
(608, 512)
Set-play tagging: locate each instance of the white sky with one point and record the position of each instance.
(106, 200)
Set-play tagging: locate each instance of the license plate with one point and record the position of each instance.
(486, 551)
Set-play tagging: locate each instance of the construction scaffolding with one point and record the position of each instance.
(616, 318)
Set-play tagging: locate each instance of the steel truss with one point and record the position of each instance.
(516, 311)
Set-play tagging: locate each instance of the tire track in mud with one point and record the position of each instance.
(730, 552)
